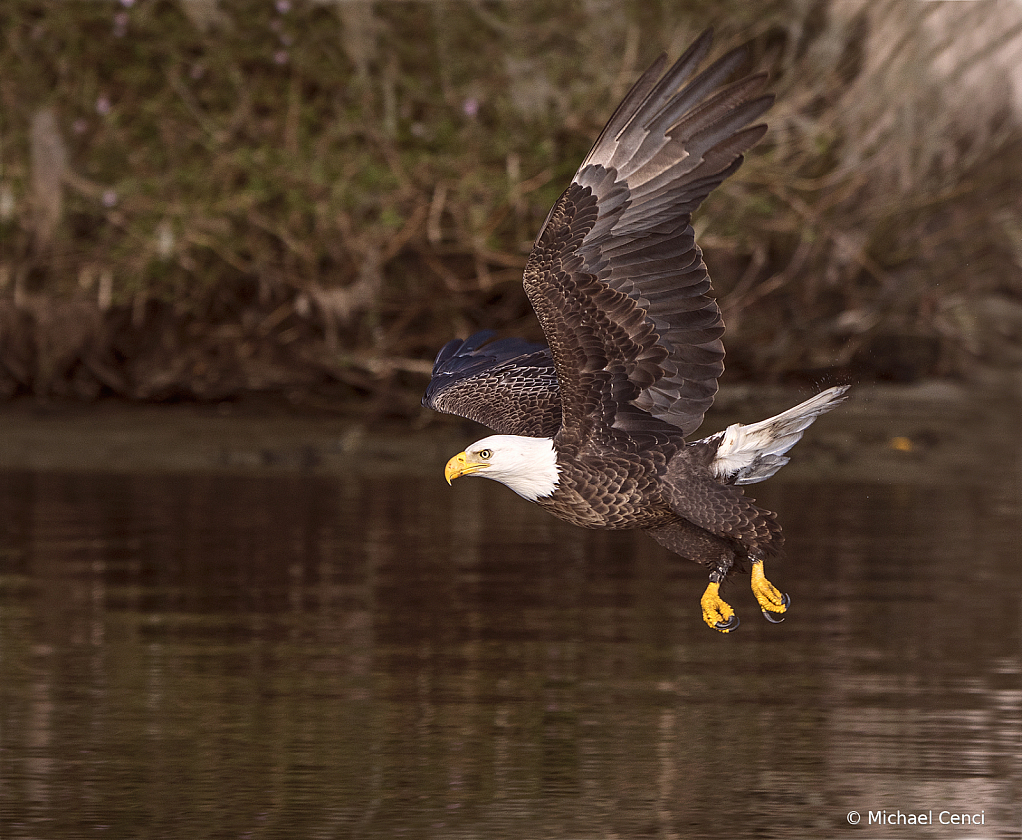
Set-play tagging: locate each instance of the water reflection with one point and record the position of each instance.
(216, 656)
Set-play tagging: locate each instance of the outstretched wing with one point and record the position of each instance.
(508, 385)
(615, 276)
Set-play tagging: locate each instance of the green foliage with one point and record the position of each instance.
(359, 180)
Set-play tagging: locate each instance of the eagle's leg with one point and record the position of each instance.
(771, 600)
(717, 612)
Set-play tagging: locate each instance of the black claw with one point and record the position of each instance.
(729, 625)
(776, 618)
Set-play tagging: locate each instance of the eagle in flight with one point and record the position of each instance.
(593, 427)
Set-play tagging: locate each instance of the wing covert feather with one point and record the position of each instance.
(615, 276)
(508, 385)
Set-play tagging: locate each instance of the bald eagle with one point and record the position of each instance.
(593, 427)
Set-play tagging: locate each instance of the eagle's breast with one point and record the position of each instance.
(605, 488)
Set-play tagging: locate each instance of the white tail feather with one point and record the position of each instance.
(747, 454)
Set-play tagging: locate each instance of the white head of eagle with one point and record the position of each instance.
(528, 465)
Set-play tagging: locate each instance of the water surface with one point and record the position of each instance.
(319, 656)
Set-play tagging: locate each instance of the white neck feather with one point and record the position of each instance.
(527, 465)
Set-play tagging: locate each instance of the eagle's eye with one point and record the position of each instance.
(485, 454)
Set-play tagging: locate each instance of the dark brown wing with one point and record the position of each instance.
(615, 276)
(508, 385)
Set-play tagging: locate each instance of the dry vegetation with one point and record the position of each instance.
(203, 200)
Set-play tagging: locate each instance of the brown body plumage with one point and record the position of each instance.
(593, 427)
(665, 490)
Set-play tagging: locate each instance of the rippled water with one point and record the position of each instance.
(293, 656)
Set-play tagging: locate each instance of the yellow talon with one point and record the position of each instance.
(770, 599)
(716, 611)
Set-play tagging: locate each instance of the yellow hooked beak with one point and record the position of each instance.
(461, 465)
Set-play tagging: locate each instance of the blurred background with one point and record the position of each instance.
(204, 200)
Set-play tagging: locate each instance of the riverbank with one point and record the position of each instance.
(310, 199)
(934, 431)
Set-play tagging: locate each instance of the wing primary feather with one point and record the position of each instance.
(616, 277)
(637, 97)
(662, 92)
(694, 97)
